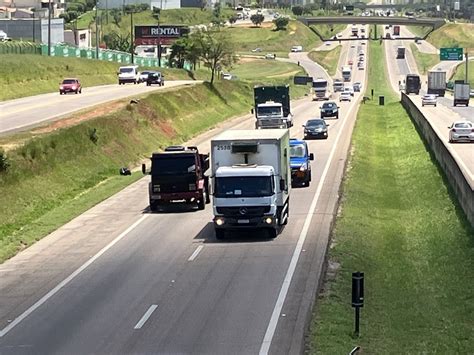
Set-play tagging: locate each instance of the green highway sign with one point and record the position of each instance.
(450, 54)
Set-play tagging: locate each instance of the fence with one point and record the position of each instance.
(74, 52)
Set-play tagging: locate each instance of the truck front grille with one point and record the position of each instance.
(242, 211)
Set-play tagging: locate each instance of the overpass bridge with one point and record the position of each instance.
(433, 23)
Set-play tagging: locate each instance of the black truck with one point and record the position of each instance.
(272, 107)
(412, 84)
(177, 174)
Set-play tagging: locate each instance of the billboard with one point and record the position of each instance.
(165, 34)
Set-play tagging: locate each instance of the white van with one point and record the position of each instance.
(128, 74)
(297, 49)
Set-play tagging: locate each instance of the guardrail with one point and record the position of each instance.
(460, 184)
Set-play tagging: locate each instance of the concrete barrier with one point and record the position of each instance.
(461, 185)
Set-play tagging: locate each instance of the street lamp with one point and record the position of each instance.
(49, 28)
(131, 33)
(96, 29)
(157, 12)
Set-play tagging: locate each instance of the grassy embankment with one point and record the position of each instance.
(26, 75)
(400, 225)
(424, 61)
(460, 73)
(450, 35)
(56, 176)
(327, 59)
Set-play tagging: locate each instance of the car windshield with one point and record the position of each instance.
(329, 105)
(243, 186)
(269, 111)
(173, 165)
(126, 70)
(315, 123)
(69, 81)
(297, 151)
(463, 125)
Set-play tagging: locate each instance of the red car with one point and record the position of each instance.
(350, 62)
(70, 85)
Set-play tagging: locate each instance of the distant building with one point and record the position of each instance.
(162, 4)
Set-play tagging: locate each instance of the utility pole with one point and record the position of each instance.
(49, 28)
(97, 29)
(34, 39)
(131, 34)
(467, 67)
(158, 41)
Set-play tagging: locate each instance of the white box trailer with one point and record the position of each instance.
(251, 180)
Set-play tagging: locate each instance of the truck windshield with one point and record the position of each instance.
(126, 70)
(243, 186)
(320, 84)
(269, 111)
(297, 151)
(173, 165)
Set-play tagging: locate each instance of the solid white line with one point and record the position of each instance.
(145, 316)
(196, 252)
(68, 279)
(267, 340)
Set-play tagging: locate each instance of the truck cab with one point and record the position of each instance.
(177, 174)
(346, 73)
(272, 107)
(320, 87)
(412, 84)
(300, 162)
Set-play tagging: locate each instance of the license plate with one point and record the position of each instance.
(243, 221)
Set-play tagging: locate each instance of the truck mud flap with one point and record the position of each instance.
(284, 213)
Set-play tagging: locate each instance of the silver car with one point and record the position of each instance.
(461, 131)
(429, 99)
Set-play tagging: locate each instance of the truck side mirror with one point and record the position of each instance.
(303, 125)
(144, 169)
(251, 111)
(282, 185)
(311, 156)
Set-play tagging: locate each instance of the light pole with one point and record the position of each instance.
(49, 28)
(131, 35)
(34, 40)
(157, 12)
(96, 29)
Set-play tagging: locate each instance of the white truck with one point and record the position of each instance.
(461, 94)
(436, 82)
(251, 180)
(128, 74)
(346, 73)
(272, 107)
(320, 89)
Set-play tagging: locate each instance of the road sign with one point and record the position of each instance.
(450, 54)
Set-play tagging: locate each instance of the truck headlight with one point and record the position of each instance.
(192, 187)
(156, 188)
(303, 167)
(269, 220)
(219, 221)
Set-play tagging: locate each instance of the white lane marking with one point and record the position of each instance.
(196, 252)
(145, 316)
(68, 279)
(267, 340)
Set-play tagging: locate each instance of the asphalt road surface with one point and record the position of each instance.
(22, 114)
(119, 279)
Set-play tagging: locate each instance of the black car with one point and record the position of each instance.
(155, 78)
(329, 109)
(316, 128)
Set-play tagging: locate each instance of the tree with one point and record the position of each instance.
(232, 19)
(215, 49)
(257, 19)
(281, 23)
(118, 41)
(178, 53)
(297, 10)
(116, 16)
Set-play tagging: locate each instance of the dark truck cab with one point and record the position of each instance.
(177, 174)
(412, 84)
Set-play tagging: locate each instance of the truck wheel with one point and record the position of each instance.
(201, 202)
(272, 233)
(309, 178)
(153, 206)
(220, 234)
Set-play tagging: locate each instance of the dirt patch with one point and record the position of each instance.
(290, 73)
(101, 110)
(247, 60)
(251, 25)
(167, 129)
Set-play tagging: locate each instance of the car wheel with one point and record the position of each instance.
(80, 91)
(60, 93)
(76, 92)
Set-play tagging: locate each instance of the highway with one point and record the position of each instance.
(441, 116)
(119, 279)
(27, 112)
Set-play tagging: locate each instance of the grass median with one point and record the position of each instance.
(327, 59)
(399, 225)
(424, 61)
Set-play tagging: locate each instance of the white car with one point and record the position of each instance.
(143, 76)
(297, 49)
(429, 99)
(345, 96)
(349, 90)
(227, 76)
(270, 56)
(461, 131)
